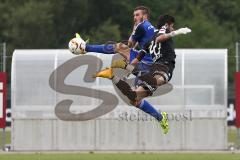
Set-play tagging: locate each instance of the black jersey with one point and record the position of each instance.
(161, 52)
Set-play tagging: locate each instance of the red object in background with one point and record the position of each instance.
(3, 99)
(237, 99)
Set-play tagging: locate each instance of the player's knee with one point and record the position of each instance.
(123, 46)
(160, 80)
(123, 49)
(117, 47)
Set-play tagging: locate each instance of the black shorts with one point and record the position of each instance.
(163, 69)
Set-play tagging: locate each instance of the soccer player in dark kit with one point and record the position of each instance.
(163, 55)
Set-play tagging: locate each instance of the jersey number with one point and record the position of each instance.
(154, 50)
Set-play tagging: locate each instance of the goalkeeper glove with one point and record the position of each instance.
(184, 30)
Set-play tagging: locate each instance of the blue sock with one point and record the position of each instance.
(148, 108)
(105, 49)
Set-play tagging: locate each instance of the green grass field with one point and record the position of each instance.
(233, 138)
(131, 156)
(8, 137)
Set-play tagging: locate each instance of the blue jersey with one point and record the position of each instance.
(142, 34)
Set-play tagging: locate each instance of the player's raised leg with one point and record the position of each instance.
(110, 48)
(136, 96)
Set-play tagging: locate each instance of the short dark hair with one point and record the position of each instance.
(163, 19)
(144, 9)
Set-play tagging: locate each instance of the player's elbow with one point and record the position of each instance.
(131, 43)
(162, 38)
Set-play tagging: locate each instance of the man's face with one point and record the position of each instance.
(137, 16)
(170, 27)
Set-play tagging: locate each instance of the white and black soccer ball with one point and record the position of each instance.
(77, 46)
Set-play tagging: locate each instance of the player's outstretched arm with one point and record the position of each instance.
(164, 37)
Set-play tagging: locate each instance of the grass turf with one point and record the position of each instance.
(132, 156)
(233, 137)
(8, 137)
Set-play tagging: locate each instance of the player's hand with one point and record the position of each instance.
(135, 61)
(184, 30)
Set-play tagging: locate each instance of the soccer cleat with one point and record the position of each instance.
(121, 63)
(77, 35)
(164, 123)
(105, 73)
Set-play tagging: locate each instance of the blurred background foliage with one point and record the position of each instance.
(34, 24)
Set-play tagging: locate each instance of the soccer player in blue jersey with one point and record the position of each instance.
(143, 32)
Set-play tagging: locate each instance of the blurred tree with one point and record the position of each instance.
(29, 25)
(51, 23)
(104, 33)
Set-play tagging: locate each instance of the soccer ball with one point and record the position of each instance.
(77, 46)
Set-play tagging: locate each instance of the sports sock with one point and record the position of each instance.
(105, 49)
(148, 108)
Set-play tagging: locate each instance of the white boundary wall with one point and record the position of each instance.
(197, 106)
